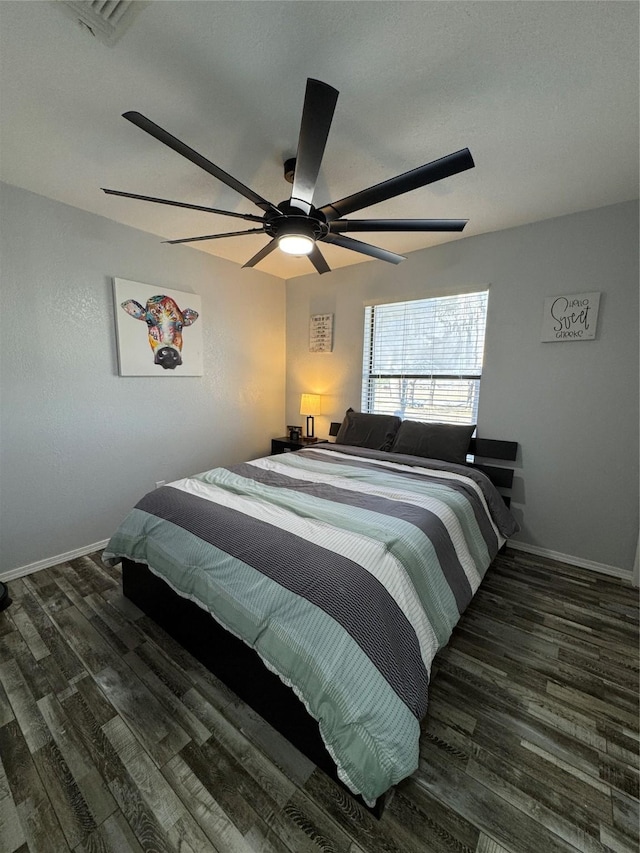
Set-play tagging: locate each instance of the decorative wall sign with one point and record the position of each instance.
(159, 332)
(570, 318)
(321, 333)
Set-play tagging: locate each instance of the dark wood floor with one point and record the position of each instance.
(112, 738)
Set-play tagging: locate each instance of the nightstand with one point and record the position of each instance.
(283, 445)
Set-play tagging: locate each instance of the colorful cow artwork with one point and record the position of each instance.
(165, 322)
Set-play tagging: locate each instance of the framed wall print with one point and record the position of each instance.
(321, 333)
(158, 331)
(570, 318)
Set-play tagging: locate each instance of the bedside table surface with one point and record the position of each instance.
(282, 444)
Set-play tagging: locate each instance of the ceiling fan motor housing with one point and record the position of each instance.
(292, 220)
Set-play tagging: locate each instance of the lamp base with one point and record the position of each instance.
(309, 439)
(310, 428)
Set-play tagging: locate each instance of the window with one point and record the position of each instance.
(423, 358)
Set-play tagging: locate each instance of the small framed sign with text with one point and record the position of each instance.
(321, 333)
(570, 318)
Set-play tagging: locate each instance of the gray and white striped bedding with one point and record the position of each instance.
(345, 569)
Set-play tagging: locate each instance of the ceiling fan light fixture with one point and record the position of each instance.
(296, 244)
(296, 235)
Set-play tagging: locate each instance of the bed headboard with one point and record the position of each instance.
(500, 451)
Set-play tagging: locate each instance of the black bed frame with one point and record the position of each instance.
(238, 666)
(232, 661)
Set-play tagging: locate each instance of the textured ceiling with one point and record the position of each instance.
(544, 94)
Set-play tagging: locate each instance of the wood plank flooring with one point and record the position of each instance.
(113, 738)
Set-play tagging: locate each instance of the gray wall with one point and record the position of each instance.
(573, 406)
(79, 445)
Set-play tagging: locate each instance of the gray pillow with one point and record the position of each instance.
(360, 429)
(449, 442)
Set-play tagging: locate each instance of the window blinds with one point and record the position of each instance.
(423, 358)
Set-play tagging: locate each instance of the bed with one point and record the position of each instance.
(333, 576)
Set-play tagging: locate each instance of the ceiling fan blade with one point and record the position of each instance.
(317, 259)
(420, 177)
(317, 115)
(364, 248)
(259, 256)
(248, 216)
(340, 226)
(162, 135)
(215, 236)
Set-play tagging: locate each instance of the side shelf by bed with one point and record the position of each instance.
(494, 448)
(489, 448)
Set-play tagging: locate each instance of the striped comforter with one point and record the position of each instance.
(346, 569)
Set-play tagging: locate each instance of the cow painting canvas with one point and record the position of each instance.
(159, 330)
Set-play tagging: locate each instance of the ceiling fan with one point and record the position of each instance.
(296, 226)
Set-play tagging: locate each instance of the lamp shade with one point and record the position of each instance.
(310, 404)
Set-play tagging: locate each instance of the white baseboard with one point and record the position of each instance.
(21, 571)
(581, 562)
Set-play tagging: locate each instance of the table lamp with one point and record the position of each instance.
(310, 406)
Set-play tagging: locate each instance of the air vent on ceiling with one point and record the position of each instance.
(107, 20)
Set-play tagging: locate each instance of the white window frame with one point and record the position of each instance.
(441, 383)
